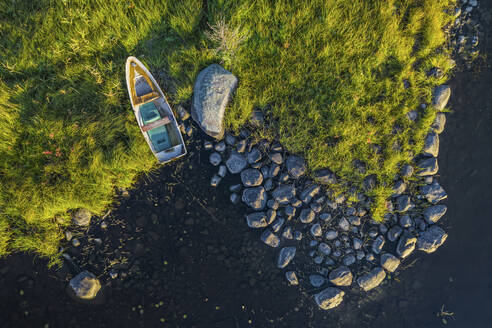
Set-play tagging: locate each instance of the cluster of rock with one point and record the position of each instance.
(299, 215)
(465, 31)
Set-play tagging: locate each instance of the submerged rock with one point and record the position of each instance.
(432, 214)
(85, 285)
(82, 217)
(316, 280)
(213, 89)
(329, 298)
(431, 239)
(215, 159)
(285, 256)
(372, 279)
(296, 166)
(236, 162)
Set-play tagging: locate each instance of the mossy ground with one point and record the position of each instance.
(330, 73)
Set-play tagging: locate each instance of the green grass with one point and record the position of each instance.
(329, 72)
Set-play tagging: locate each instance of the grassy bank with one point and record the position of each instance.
(331, 73)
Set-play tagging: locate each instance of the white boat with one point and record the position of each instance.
(154, 115)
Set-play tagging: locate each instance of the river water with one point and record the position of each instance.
(191, 261)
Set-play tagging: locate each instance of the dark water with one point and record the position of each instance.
(182, 243)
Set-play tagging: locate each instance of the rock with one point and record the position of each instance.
(297, 235)
(357, 243)
(82, 217)
(434, 193)
(331, 235)
(257, 118)
(412, 115)
(285, 256)
(316, 207)
(394, 232)
(271, 203)
(251, 177)
(291, 278)
(308, 193)
(257, 220)
(255, 197)
(234, 198)
(284, 194)
(113, 274)
(439, 123)
(215, 159)
(329, 298)
(377, 245)
(68, 235)
(213, 89)
(406, 221)
(236, 162)
(326, 217)
(432, 214)
(222, 171)
(85, 285)
(273, 171)
(344, 224)
(324, 248)
(406, 171)
(324, 176)
(287, 234)
(441, 96)
(389, 262)
(403, 203)
(428, 167)
(348, 260)
(182, 113)
(269, 238)
(254, 156)
(406, 245)
(370, 257)
(214, 182)
(290, 210)
(276, 158)
(318, 260)
(271, 215)
(399, 188)
(278, 224)
(360, 255)
(431, 144)
(316, 280)
(241, 146)
(431, 239)
(235, 188)
(370, 182)
(295, 166)
(230, 140)
(208, 145)
(220, 146)
(372, 279)
(75, 242)
(268, 185)
(341, 276)
(307, 215)
(316, 230)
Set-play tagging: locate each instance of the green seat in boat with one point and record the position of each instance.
(149, 113)
(159, 138)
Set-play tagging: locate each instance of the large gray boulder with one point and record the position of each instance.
(329, 298)
(214, 87)
(85, 285)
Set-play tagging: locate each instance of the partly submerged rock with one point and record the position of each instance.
(285, 256)
(431, 239)
(213, 89)
(269, 238)
(257, 220)
(432, 214)
(434, 193)
(341, 276)
(439, 123)
(428, 167)
(329, 298)
(390, 262)
(406, 245)
(431, 144)
(292, 278)
(372, 279)
(85, 285)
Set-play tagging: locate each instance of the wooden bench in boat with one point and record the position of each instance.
(163, 121)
